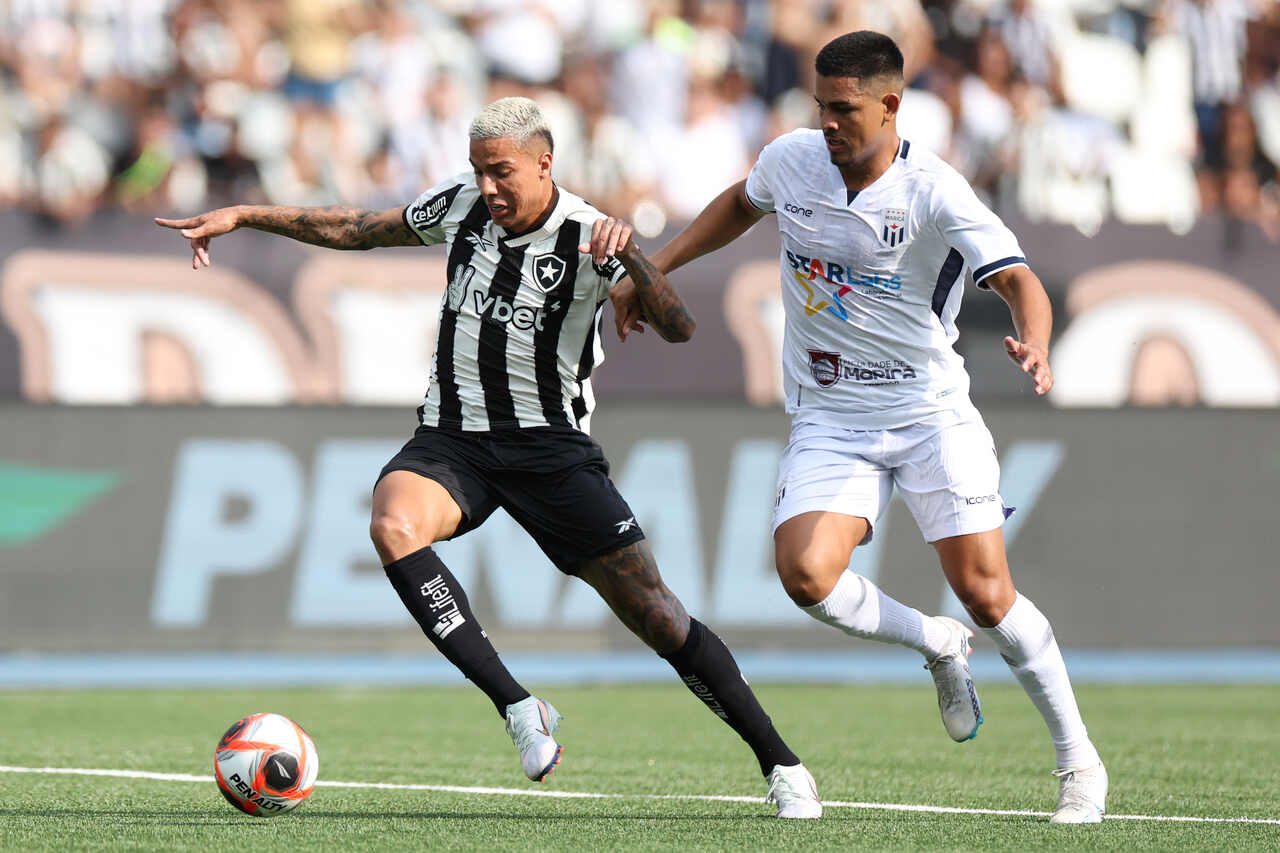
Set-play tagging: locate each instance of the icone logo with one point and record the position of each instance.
(844, 279)
(797, 209)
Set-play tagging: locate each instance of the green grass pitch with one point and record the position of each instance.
(1202, 751)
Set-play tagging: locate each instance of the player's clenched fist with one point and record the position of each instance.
(201, 229)
(608, 237)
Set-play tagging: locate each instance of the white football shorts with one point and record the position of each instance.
(946, 469)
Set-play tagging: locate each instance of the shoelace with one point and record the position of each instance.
(960, 653)
(780, 783)
(1074, 790)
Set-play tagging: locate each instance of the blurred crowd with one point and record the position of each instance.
(1067, 110)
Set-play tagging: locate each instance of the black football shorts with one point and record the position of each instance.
(554, 481)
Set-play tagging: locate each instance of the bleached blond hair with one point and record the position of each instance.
(519, 119)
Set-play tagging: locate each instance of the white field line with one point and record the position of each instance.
(586, 795)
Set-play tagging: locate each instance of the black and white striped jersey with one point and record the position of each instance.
(519, 323)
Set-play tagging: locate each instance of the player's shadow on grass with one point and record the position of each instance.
(448, 815)
(138, 816)
(311, 815)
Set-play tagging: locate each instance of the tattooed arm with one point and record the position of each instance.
(662, 306)
(333, 227)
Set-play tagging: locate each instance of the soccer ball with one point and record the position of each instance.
(265, 765)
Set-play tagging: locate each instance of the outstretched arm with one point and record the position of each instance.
(1032, 320)
(661, 304)
(723, 220)
(332, 227)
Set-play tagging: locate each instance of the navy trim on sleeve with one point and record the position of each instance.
(995, 266)
(752, 202)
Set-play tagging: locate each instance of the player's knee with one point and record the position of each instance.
(665, 629)
(808, 575)
(394, 535)
(986, 599)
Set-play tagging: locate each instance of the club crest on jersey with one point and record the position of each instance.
(548, 271)
(894, 231)
(825, 367)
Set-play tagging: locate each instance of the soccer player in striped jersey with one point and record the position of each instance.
(876, 238)
(505, 419)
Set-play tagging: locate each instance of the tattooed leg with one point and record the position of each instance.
(628, 581)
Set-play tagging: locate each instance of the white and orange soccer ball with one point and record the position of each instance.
(265, 765)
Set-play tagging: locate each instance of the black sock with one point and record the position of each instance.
(706, 666)
(435, 598)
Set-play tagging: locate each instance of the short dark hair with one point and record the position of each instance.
(863, 54)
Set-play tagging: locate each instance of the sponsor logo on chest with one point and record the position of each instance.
(825, 284)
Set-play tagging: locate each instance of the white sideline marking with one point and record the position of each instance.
(586, 795)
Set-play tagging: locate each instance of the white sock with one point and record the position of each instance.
(858, 607)
(1026, 642)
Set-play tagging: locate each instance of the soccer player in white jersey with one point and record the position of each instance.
(505, 417)
(876, 238)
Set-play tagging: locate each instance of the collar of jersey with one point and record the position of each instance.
(874, 185)
(552, 223)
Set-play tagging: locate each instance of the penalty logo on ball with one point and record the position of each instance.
(265, 765)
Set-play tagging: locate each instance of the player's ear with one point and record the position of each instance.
(544, 164)
(890, 101)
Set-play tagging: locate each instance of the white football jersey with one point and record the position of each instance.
(870, 283)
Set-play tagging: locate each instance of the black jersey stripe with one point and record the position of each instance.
(586, 362)
(546, 340)
(459, 257)
(491, 351)
(947, 278)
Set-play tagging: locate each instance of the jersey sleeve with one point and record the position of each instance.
(969, 226)
(610, 272)
(605, 275)
(763, 176)
(427, 214)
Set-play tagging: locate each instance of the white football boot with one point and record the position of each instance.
(795, 792)
(531, 722)
(957, 697)
(1082, 795)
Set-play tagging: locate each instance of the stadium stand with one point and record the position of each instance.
(1070, 110)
